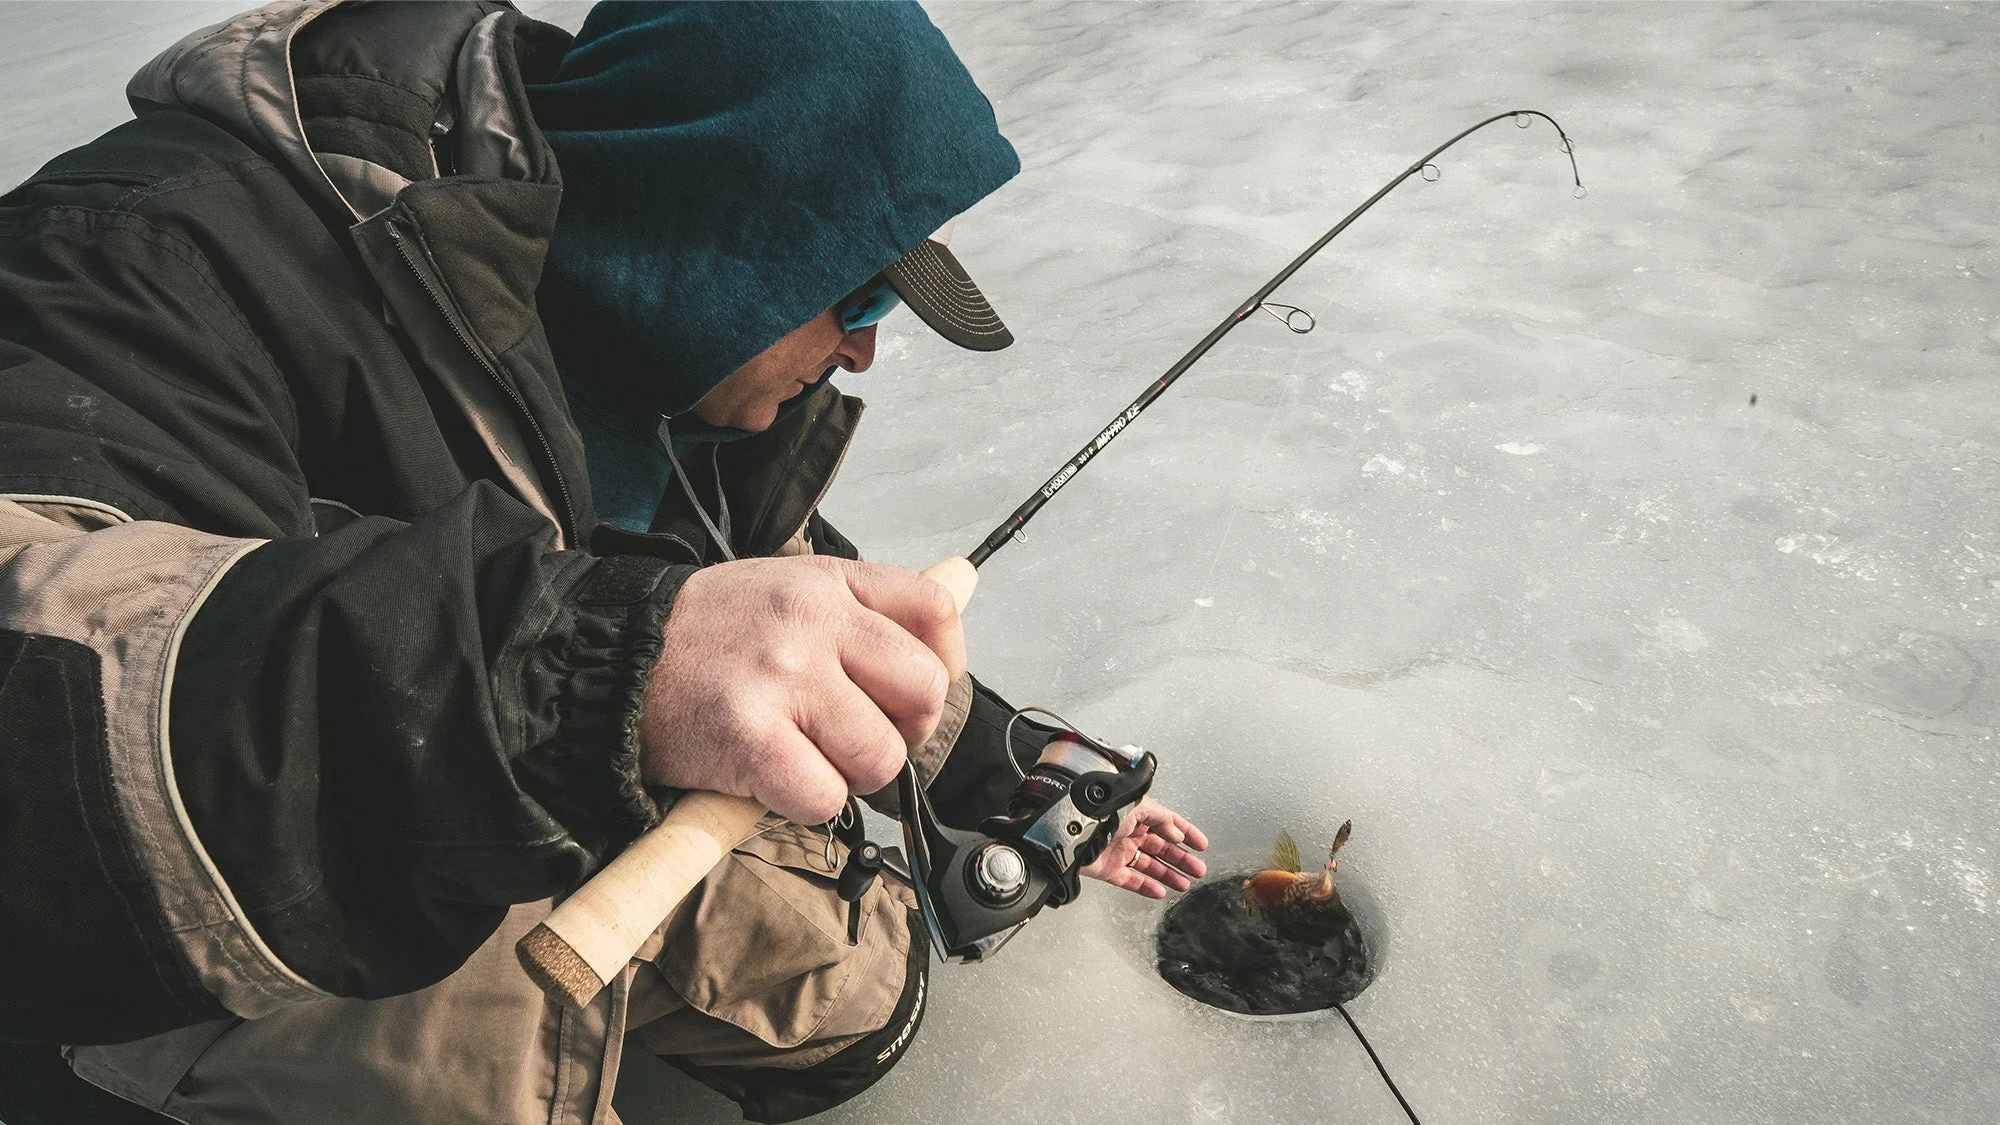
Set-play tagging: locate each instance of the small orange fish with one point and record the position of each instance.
(1284, 887)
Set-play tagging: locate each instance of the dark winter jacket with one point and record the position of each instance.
(313, 658)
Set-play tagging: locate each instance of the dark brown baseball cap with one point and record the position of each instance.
(932, 283)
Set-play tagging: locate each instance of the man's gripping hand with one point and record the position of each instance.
(798, 681)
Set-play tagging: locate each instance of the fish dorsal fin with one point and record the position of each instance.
(1285, 854)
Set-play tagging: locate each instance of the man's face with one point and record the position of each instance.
(750, 397)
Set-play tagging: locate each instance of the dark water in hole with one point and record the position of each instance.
(1210, 947)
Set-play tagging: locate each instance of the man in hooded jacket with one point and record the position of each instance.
(372, 496)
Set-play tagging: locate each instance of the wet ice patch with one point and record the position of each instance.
(1915, 672)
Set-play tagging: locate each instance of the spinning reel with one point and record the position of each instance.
(975, 889)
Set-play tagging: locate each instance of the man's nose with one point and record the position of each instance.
(857, 349)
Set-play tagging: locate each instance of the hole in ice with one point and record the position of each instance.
(1304, 958)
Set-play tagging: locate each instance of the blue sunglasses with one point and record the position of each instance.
(866, 305)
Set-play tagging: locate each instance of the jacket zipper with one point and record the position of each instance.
(570, 529)
(826, 486)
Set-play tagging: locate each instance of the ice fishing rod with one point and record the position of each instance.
(588, 940)
(1011, 528)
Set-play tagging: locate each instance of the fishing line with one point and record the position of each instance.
(1011, 528)
(1376, 1059)
(1246, 475)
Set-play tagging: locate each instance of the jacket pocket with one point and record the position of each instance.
(151, 1071)
(763, 943)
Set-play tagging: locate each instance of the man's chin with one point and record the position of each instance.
(749, 423)
(762, 420)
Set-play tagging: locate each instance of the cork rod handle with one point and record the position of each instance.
(593, 933)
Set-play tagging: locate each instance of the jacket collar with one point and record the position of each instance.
(358, 101)
(772, 482)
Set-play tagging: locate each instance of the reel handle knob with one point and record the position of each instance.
(863, 865)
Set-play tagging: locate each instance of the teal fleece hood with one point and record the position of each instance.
(730, 170)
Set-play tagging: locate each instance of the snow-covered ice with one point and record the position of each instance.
(1666, 720)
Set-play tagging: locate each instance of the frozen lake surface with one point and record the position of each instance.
(1666, 719)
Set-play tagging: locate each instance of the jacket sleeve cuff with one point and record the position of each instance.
(930, 758)
(586, 771)
(972, 779)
